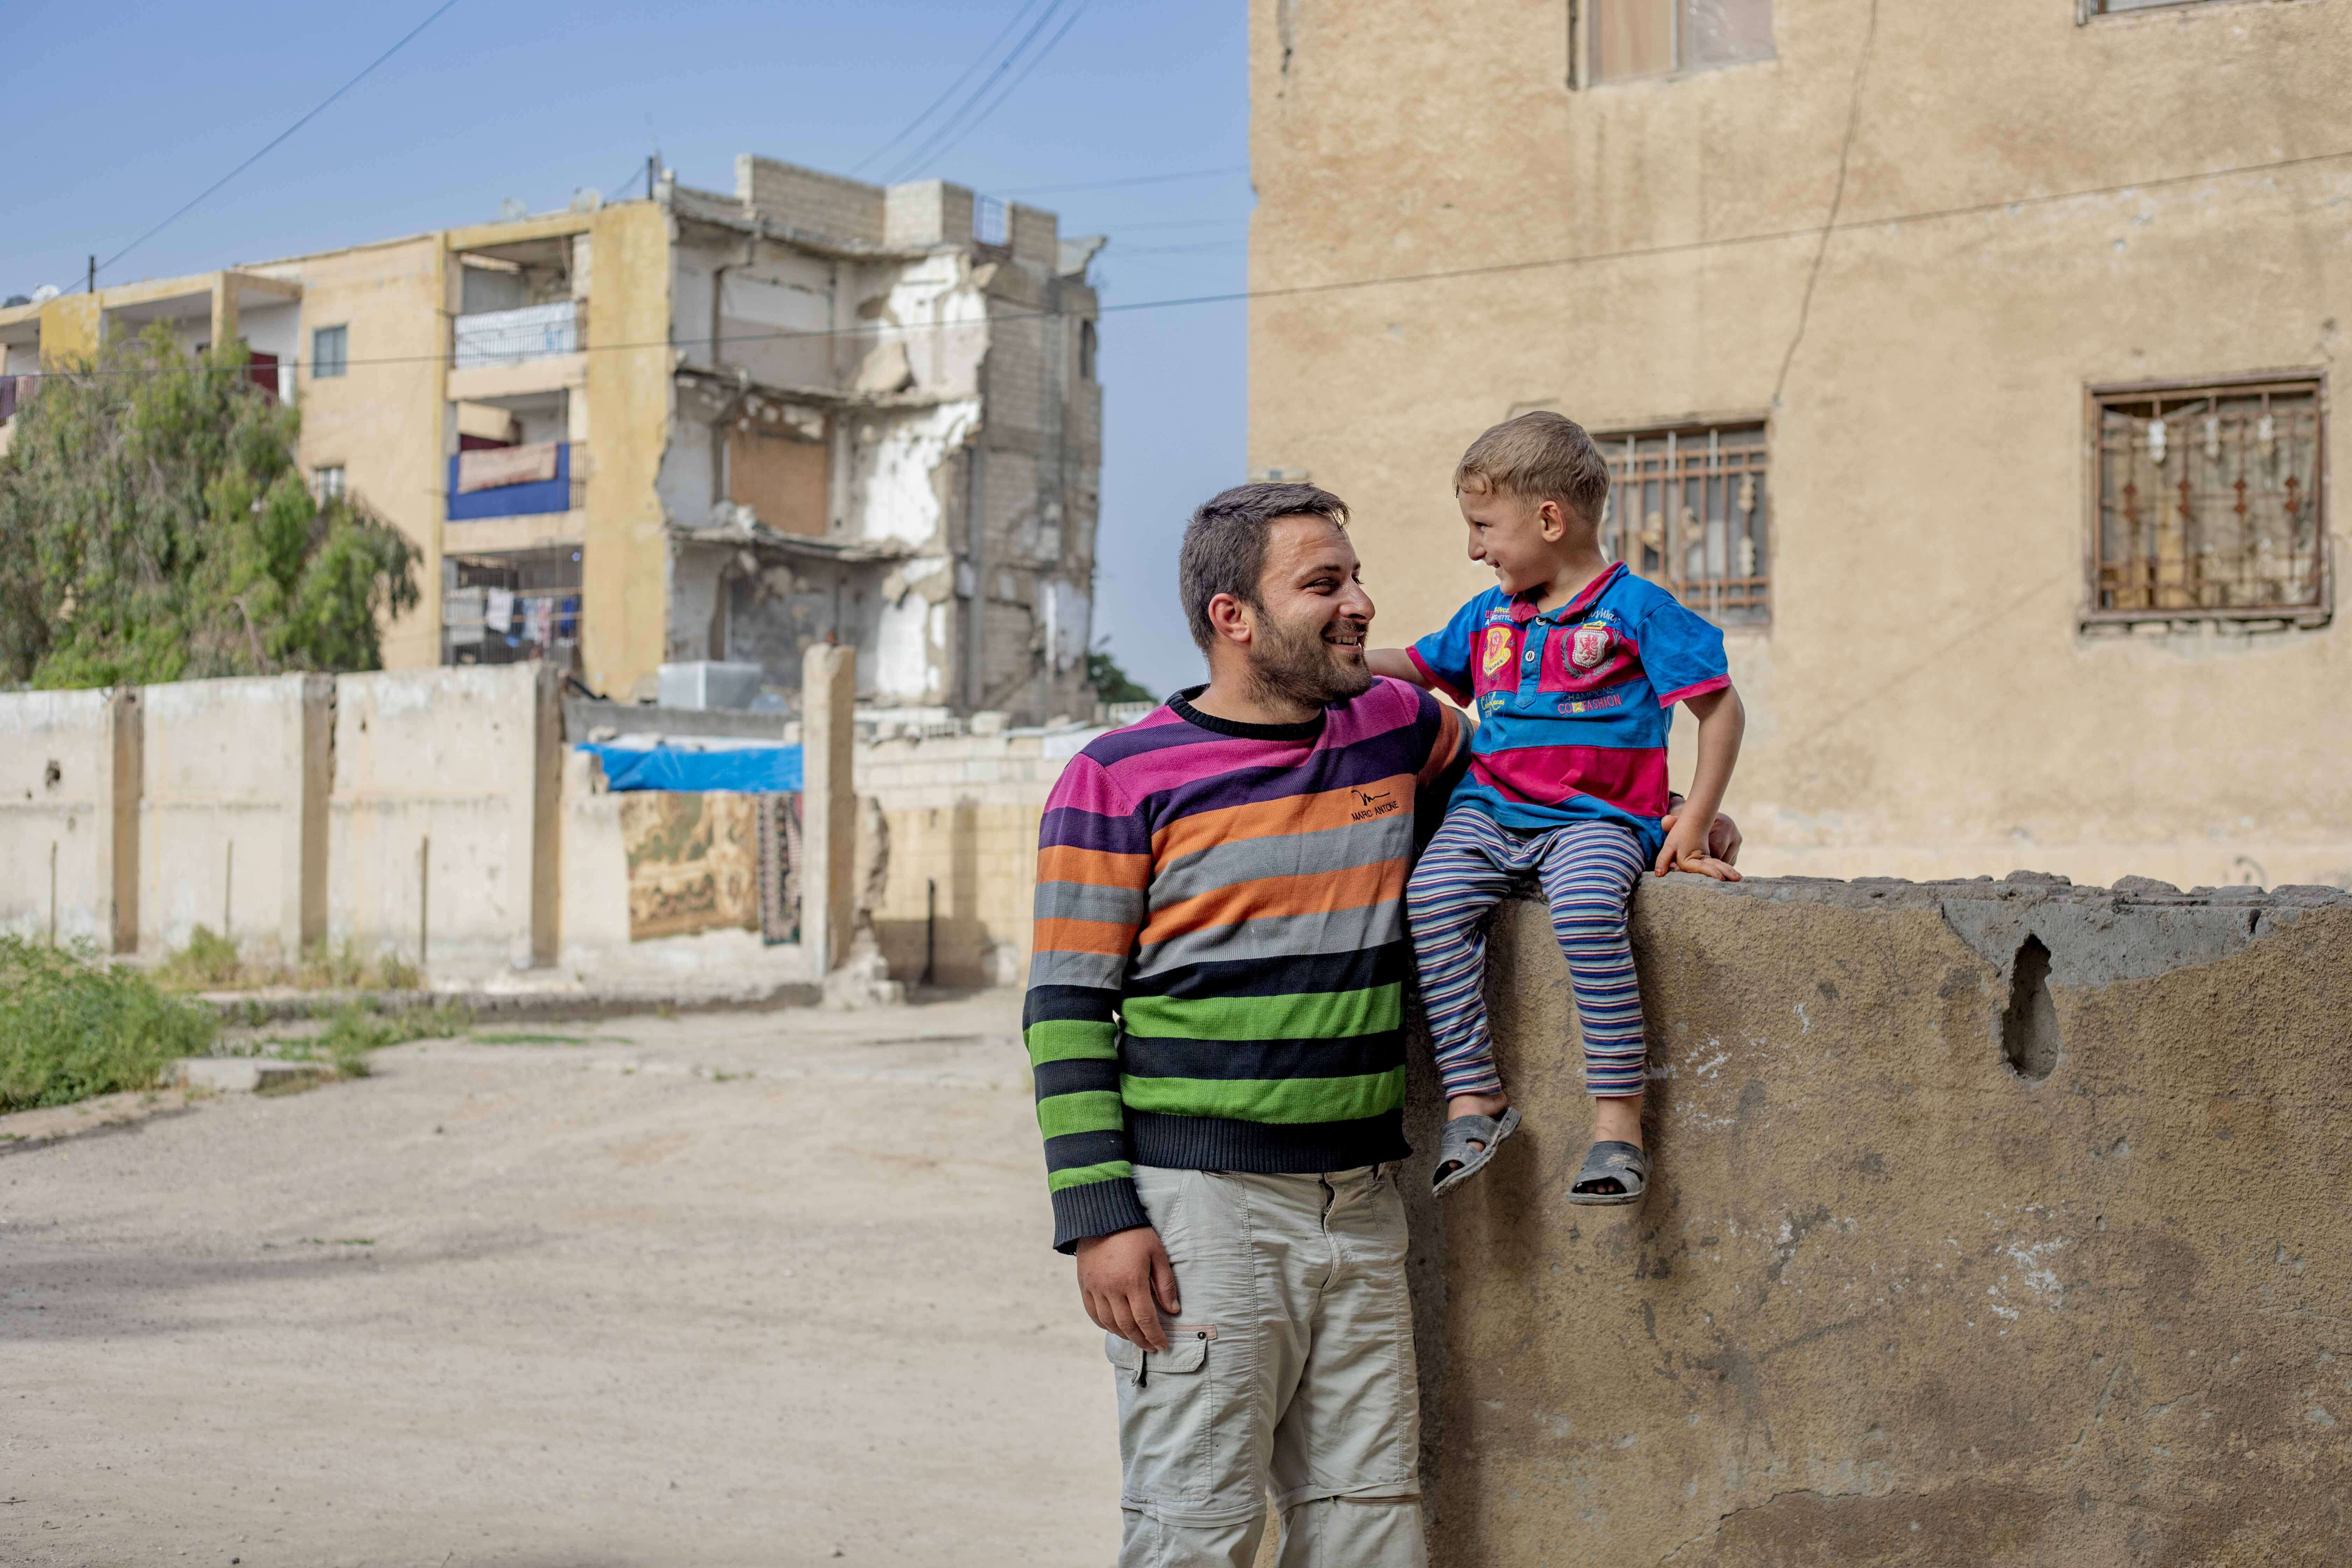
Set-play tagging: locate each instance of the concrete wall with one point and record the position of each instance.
(1888, 1301)
(233, 812)
(962, 816)
(70, 815)
(443, 825)
(1924, 701)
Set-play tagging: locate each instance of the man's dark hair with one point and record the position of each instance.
(1224, 545)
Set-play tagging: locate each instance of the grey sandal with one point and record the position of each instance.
(1458, 1147)
(1611, 1161)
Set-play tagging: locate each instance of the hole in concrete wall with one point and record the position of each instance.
(2029, 1032)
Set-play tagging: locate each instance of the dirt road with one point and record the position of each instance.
(746, 1289)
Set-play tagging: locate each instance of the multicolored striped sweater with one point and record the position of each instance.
(1220, 952)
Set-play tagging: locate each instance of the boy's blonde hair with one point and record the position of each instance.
(1539, 457)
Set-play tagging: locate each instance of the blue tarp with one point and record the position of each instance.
(750, 769)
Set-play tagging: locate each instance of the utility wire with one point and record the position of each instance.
(1342, 285)
(1130, 180)
(446, 6)
(977, 61)
(1012, 87)
(953, 123)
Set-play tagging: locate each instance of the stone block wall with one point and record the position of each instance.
(1993, 1223)
(962, 816)
(809, 200)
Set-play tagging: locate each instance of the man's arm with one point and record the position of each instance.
(1094, 865)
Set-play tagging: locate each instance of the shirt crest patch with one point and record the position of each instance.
(1588, 646)
(1498, 649)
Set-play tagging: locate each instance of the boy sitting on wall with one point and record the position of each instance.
(1573, 665)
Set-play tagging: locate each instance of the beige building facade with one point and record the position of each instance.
(1969, 365)
(700, 428)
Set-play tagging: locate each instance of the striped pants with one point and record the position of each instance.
(1588, 870)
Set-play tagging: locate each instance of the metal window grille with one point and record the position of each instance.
(1689, 509)
(2209, 504)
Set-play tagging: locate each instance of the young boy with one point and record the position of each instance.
(1572, 665)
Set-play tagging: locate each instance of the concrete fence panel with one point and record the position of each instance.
(233, 812)
(70, 815)
(443, 825)
(1992, 1222)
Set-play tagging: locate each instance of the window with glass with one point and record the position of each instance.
(1688, 509)
(330, 352)
(1629, 38)
(327, 483)
(2210, 503)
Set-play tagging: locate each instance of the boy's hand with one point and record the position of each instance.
(1686, 849)
(1723, 836)
(1121, 1277)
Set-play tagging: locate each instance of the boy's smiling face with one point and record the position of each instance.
(1523, 541)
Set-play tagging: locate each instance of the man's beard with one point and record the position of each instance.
(1296, 665)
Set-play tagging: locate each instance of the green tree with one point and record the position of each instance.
(1111, 683)
(154, 526)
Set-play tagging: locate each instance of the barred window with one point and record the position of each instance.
(2208, 504)
(1688, 509)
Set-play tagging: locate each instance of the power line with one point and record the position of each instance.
(1130, 180)
(1176, 223)
(446, 6)
(977, 61)
(1632, 253)
(1012, 87)
(948, 126)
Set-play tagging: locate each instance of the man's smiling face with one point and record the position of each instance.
(1308, 641)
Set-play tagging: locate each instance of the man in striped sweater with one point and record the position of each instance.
(1215, 1017)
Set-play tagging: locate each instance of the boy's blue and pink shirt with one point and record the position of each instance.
(1573, 704)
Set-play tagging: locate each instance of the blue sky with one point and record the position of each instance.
(135, 109)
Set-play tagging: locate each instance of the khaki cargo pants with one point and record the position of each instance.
(1290, 1369)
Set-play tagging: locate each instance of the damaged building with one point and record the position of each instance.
(698, 430)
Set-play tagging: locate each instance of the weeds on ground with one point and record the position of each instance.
(72, 1025)
(211, 962)
(353, 1031)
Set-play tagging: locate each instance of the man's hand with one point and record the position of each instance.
(1125, 1282)
(1687, 848)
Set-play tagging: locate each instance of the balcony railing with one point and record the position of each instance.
(514, 337)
